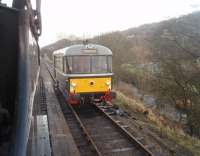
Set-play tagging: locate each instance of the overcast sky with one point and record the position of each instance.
(86, 18)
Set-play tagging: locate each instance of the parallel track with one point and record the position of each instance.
(96, 133)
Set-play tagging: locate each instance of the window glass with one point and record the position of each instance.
(69, 64)
(81, 64)
(58, 62)
(99, 64)
(109, 63)
(88, 64)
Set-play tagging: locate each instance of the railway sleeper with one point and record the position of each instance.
(110, 145)
(125, 151)
(140, 139)
(150, 146)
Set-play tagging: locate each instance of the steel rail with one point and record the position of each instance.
(85, 131)
(128, 135)
(79, 121)
(124, 131)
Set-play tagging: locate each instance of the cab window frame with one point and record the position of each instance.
(108, 60)
(58, 63)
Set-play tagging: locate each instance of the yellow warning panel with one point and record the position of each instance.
(88, 85)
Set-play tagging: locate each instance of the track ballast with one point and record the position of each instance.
(96, 133)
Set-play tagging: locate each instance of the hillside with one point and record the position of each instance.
(162, 60)
(150, 38)
(178, 33)
(49, 49)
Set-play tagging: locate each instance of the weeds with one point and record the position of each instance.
(159, 123)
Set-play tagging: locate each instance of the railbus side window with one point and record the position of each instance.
(59, 63)
(63, 65)
(109, 63)
(54, 61)
(69, 63)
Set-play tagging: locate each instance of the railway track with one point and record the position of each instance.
(83, 141)
(96, 133)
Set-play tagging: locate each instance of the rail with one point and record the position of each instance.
(109, 140)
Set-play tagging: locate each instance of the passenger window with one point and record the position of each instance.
(58, 60)
(69, 64)
(109, 63)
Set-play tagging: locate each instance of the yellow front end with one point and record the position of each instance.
(89, 85)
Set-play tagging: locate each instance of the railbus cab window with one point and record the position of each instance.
(88, 64)
(81, 64)
(78, 64)
(99, 64)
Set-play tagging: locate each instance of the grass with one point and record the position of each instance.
(127, 102)
(125, 88)
(159, 123)
(182, 139)
(190, 143)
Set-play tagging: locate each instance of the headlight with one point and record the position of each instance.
(73, 84)
(108, 83)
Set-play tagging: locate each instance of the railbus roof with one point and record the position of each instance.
(81, 49)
